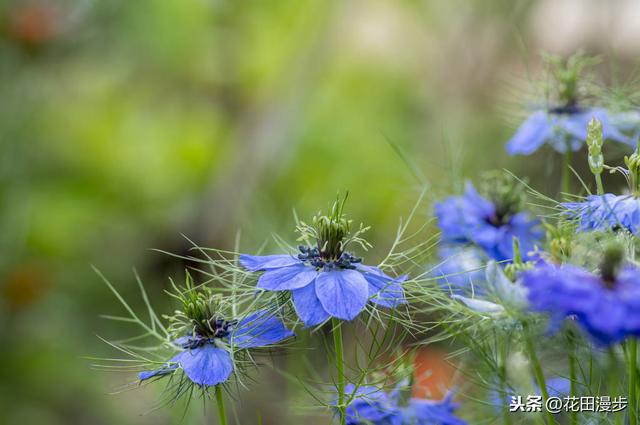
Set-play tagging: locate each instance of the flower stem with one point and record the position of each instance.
(566, 171)
(506, 415)
(633, 402)
(220, 402)
(339, 352)
(599, 187)
(613, 382)
(537, 370)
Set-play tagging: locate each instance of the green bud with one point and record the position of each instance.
(595, 140)
(633, 165)
(611, 262)
(506, 192)
(331, 232)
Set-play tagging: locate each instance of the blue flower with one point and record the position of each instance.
(431, 412)
(604, 212)
(473, 219)
(607, 308)
(206, 360)
(562, 128)
(323, 288)
(370, 405)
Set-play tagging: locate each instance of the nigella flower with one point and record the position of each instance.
(205, 356)
(606, 306)
(608, 211)
(604, 212)
(564, 128)
(488, 224)
(372, 406)
(326, 281)
(431, 412)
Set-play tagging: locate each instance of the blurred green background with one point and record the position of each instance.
(124, 124)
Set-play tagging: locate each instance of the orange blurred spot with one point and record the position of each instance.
(34, 24)
(434, 373)
(24, 286)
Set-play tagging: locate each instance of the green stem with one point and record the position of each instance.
(599, 187)
(566, 170)
(537, 370)
(633, 402)
(506, 415)
(339, 352)
(220, 402)
(613, 382)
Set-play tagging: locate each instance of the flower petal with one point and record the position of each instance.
(256, 263)
(384, 290)
(342, 293)
(308, 306)
(259, 329)
(164, 370)
(286, 278)
(480, 306)
(206, 365)
(531, 134)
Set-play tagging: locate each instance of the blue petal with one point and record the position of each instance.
(164, 370)
(383, 290)
(308, 306)
(343, 293)
(531, 134)
(255, 263)
(206, 365)
(286, 278)
(259, 329)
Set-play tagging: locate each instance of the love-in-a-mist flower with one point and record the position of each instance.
(421, 411)
(605, 304)
(562, 124)
(609, 211)
(489, 223)
(210, 339)
(372, 406)
(563, 128)
(324, 279)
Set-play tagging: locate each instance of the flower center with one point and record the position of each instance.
(330, 233)
(314, 257)
(208, 330)
(611, 262)
(506, 193)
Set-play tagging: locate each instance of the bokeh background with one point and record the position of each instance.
(127, 124)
